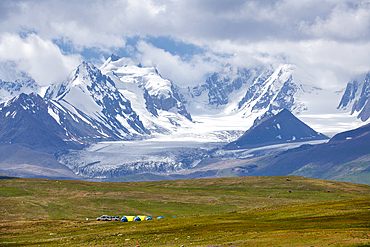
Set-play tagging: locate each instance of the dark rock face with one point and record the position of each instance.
(172, 100)
(25, 121)
(16, 86)
(23, 84)
(43, 124)
(282, 128)
(149, 103)
(285, 97)
(114, 57)
(349, 94)
(365, 94)
(219, 87)
(255, 90)
(360, 100)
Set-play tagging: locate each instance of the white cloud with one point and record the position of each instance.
(42, 59)
(89, 23)
(344, 22)
(327, 38)
(331, 63)
(181, 72)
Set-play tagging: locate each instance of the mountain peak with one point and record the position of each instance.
(114, 62)
(114, 57)
(283, 127)
(86, 66)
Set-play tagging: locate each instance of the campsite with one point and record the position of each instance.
(246, 211)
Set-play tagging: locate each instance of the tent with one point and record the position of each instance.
(144, 217)
(135, 218)
(160, 217)
(127, 218)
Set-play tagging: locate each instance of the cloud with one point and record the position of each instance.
(42, 59)
(323, 37)
(182, 73)
(107, 23)
(350, 22)
(330, 63)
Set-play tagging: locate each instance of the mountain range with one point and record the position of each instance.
(124, 101)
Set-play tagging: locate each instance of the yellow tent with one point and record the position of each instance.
(129, 218)
(142, 217)
(135, 218)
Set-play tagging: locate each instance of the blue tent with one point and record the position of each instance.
(137, 218)
(148, 218)
(124, 219)
(160, 217)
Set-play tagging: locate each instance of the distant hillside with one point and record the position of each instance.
(346, 157)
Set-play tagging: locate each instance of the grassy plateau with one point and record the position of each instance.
(238, 211)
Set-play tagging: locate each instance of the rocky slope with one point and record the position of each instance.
(88, 91)
(154, 98)
(14, 81)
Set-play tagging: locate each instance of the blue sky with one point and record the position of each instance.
(188, 39)
(165, 43)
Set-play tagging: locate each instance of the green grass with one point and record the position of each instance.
(246, 211)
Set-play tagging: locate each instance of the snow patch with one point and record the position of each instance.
(54, 115)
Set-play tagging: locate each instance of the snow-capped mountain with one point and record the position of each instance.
(14, 81)
(88, 91)
(274, 90)
(241, 95)
(33, 121)
(218, 88)
(154, 98)
(122, 100)
(356, 97)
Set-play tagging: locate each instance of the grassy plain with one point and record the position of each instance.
(245, 211)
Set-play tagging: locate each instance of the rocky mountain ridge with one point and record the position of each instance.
(89, 91)
(14, 81)
(247, 94)
(356, 97)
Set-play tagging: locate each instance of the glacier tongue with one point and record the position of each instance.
(158, 155)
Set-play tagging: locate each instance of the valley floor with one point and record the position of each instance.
(245, 211)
